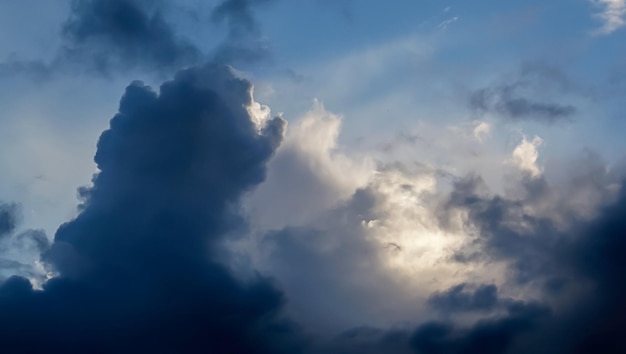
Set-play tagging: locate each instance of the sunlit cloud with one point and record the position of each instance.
(612, 15)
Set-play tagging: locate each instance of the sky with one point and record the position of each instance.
(312, 176)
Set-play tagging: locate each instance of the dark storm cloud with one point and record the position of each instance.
(527, 96)
(507, 332)
(459, 299)
(491, 336)
(579, 254)
(137, 265)
(128, 33)
(108, 36)
(507, 230)
(8, 218)
(369, 340)
(599, 257)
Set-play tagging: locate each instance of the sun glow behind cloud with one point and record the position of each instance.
(422, 176)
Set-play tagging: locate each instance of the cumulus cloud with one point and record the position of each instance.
(202, 196)
(553, 253)
(308, 166)
(390, 256)
(525, 156)
(136, 270)
(349, 234)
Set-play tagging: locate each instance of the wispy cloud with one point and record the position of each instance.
(444, 24)
(613, 15)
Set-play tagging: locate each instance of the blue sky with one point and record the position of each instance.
(410, 127)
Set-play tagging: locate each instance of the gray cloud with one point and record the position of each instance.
(139, 266)
(458, 299)
(105, 37)
(561, 254)
(109, 34)
(526, 96)
(8, 218)
(244, 42)
(503, 100)
(491, 336)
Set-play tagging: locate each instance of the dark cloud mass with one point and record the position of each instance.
(128, 33)
(8, 218)
(106, 37)
(137, 265)
(491, 336)
(483, 298)
(578, 264)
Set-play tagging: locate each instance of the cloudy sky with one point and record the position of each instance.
(312, 176)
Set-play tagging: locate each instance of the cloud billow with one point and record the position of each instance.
(108, 37)
(143, 267)
(569, 259)
(138, 266)
(483, 298)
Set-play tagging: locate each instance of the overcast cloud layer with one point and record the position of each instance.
(416, 196)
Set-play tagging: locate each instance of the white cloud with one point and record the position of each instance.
(481, 130)
(525, 156)
(308, 166)
(444, 24)
(613, 15)
(352, 233)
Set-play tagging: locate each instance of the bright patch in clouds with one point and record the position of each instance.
(482, 130)
(410, 213)
(525, 156)
(612, 15)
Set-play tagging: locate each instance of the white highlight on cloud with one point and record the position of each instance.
(259, 113)
(308, 166)
(481, 131)
(444, 24)
(373, 226)
(525, 156)
(613, 15)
